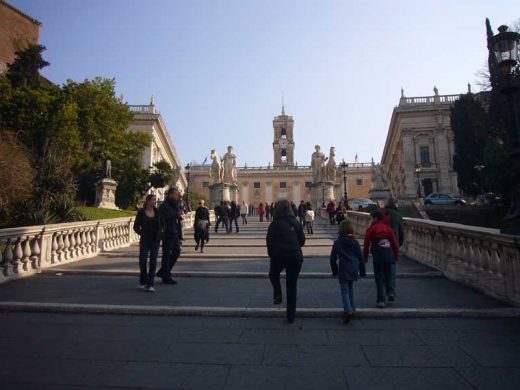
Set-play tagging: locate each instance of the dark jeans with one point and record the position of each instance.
(224, 222)
(231, 224)
(244, 219)
(302, 220)
(331, 218)
(309, 227)
(292, 270)
(171, 251)
(384, 275)
(347, 295)
(145, 247)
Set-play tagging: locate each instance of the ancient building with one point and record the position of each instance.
(419, 147)
(284, 179)
(148, 120)
(17, 31)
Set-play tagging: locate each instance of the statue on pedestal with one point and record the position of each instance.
(230, 166)
(215, 170)
(331, 166)
(108, 169)
(318, 165)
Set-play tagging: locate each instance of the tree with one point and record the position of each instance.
(161, 175)
(26, 67)
(476, 144)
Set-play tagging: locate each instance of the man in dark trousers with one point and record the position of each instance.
(171, 218)
(301, 212)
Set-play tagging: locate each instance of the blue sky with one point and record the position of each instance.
(217, 69)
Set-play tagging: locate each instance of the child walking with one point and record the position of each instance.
(347, 252)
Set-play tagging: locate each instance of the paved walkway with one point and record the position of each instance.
(215, 328)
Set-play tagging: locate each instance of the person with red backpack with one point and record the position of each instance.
(380, 240)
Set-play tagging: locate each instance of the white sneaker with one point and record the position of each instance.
(380, 305)
(150, 289)
(141, 286)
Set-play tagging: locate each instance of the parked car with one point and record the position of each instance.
(361, 204)
(489, 199)
(439, 198)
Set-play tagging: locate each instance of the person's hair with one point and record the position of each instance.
(377, 214)
(391, 203)
(345, 227)
(150, 196)
(309, 206)
(171, 190)
(282, 207)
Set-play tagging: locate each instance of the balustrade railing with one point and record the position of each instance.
(27, 250)
(436, 99)
(479, 257)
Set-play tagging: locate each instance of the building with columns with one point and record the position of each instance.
(419, 147)
(148, 120)
(284, 179)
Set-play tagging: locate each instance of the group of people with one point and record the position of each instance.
(384, 236)
(285, 238)
(337, 214)
(156, 226)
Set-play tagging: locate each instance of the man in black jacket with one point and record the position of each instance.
(171, 218)
(301, 212)
(284, 239)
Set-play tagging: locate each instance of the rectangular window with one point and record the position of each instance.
(359, 182)
(283, 184)
(308, 184)
(256, 184)
(204, 184)
(425, 156)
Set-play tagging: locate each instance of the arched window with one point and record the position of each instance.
(283, 133)
(284, 155)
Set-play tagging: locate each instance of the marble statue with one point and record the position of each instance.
(215, 171)
(108, 169)
(318, 165)
(379, 178)
(331, 166)
(229, 161)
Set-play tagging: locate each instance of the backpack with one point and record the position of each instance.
(382, 251)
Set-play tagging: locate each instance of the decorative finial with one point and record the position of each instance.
(469, 88)
(283, 106)
(402, 92)
(435, 90)
(152, 101)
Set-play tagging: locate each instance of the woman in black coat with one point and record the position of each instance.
(201, 226)
(284, 239)
(149, 226)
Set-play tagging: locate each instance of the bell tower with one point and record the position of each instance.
(283, 144)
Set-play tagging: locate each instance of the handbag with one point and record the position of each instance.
(202, 224)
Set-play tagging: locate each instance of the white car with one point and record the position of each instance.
(361, 204)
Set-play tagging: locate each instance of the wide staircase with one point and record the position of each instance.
(86, 325)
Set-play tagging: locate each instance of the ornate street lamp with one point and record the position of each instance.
(417, 172)
(187, 173)
(344, 167)
(504, 47)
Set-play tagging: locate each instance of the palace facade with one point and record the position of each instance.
(284, 179)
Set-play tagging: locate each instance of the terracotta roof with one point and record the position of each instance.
(20, 12)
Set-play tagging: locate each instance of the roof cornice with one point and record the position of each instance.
(33, 20)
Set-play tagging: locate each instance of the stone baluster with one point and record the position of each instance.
(17, 255)
(35, 253)
(54, 248)
(8, 258)
(72, 244)
(26, 253)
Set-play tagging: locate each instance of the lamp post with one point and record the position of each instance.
(417, 172)
(344, 167)
(504, 47)
(479, 168)
(187, 173)
(323, 194)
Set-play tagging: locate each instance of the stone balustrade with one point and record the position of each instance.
(25, 251)
(142, 108)
(436, 99)
(478, 257)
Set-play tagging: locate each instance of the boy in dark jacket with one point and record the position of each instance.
(380, 238)
(347, 252)
(284, 241)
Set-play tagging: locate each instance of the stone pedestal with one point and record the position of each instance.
(380, 195)
(222, 192)
(321, 192)
(106, 194)
(233, 193)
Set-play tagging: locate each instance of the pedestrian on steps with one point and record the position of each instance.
(148, 226)
(201, 226)
(380, 240)
(244, 212)
(261, 211)
(346, 263)
(284, 240)
(309, 218)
